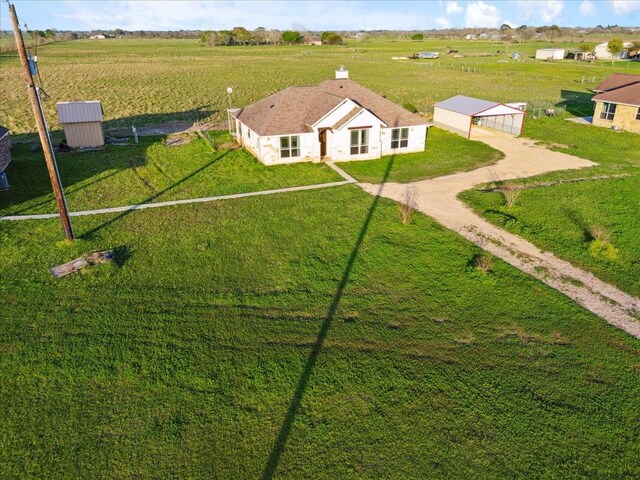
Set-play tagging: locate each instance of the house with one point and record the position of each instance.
(312, 40)
(470, 36)
(550, 54)
(82, 123)
(337, 119)
(5, 156)
(458, 115)
(602, 52)
(617, 102)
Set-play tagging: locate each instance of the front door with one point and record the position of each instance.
(322, 137)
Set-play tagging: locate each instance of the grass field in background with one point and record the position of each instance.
(445, 153)
(309, 335)
(143, 82)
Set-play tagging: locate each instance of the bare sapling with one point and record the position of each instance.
(408, 205)
(510, 192)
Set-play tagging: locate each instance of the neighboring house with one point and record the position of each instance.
(458, 115)
(550, 54)
(617, 102)
(312, 40)
(5, 156)
(337, 119)
(82, 123)
(602, 52)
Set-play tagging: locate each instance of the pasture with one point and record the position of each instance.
(143, 82)
(311, 334)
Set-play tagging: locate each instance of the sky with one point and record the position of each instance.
(317, 15)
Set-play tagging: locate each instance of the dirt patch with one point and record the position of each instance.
(179, 139)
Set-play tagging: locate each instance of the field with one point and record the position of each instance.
(148, 81)
(308, 334)
(225, 343)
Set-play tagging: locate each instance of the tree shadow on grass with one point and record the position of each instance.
(91, 233)
(296, 401)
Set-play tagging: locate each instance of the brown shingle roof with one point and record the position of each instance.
(347, 117)
(295, 109)
(619, 88)
(616, 80)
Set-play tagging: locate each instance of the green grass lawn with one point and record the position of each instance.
(149, 172)
(307, 335)
(444, 153)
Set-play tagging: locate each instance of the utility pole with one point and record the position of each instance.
(45, 140)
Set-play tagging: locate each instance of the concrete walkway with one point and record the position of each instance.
(142, 206)
(438, 198)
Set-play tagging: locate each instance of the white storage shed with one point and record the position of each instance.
(458, 115)
(550, 54)
(82, 123)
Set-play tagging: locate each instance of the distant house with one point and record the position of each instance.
(5, 156)
(97, 37)
(470, 36)
(458, 115)
(312, 40)
(82, 123)
(483, 36)
(617, 103)
(337, 119)
(602, 52)
(550, 54)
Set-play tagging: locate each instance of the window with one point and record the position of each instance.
(638, 114)
(359, 141)
(608, 111)
(399, 137)
(289, 147)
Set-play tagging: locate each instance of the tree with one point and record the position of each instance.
(417, 36)
(291, 36)
(554, 32)
(324, 35)
(259, 36)
(49, 34)
(204, 36)
(586, 47)
(241, 35)
(504, 27)
(334, 39)
(615, 47)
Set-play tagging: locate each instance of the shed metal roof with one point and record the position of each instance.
(79, 112)
(474, 106)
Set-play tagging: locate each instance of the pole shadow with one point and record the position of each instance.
(296, 401)
(89, 235)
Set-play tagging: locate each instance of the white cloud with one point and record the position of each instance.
(547, 11)
(587, 9)
(443, 22)
(453, 7)
(551, 11)
(480, 14)
(626, 7)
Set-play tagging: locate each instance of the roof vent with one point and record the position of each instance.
(342, 73)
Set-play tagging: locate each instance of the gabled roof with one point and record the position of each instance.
(79, 112)
(295, 109)
(619, 88)
(475, 106)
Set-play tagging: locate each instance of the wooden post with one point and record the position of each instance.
(45, 141)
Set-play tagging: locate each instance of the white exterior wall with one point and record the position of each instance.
(336, 115)
(549, 53)
(417, 137)
(309, 149)
(339, 141)
(602, 51)
(454, 122)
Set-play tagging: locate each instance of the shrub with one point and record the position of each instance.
(408, 205)
(603, 250)
(333, 39)
(417, 36)
(410, 106)
(484, 262)
(510, 193)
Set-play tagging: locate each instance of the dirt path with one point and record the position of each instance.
(438, 198)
